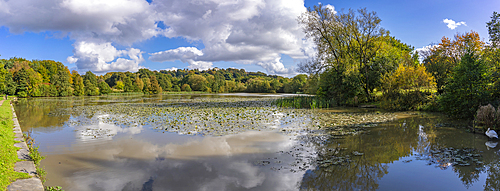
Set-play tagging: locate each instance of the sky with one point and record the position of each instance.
(256, 35)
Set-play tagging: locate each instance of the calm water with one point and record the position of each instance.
(225, 142)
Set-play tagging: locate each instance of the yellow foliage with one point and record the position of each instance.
(409, 78)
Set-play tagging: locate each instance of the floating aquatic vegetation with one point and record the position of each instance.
(222, 116)
(446, 157)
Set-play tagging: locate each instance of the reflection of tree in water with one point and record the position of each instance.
(389, 142)
(493, 179)
(384, 144)
(358, 174)
(33, 113)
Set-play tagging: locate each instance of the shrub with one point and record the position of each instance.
(486, 115)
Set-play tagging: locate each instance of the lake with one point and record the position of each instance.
(244, 142)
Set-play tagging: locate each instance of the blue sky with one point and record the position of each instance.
(257, 35)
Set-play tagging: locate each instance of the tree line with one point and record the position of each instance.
(358, 61)
(47, 78)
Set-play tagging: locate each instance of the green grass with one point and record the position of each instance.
(8, 153)
(35, 156)
(311, 102)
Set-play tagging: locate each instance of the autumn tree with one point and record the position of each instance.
(443, 57)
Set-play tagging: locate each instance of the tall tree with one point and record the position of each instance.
(494, 29)
(78, 85)
(467, 88)
(345, 42)
(62, 83)
(448, 53)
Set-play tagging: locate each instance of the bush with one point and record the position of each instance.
(486, 115)
(406, 100)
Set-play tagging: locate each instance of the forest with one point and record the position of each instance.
(47, 78)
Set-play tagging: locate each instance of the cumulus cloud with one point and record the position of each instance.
(244, 31)
(103, 57)
(452, 24)
(185, 54)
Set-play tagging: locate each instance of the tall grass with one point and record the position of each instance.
(311, 102)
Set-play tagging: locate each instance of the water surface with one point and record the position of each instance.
(243, 142)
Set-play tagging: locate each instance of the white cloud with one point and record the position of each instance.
(103, 57)
(247, 32)
(452, 24)
(243, 31)
(332, 8)
(171, 69)
(424, 52)
(185, 54)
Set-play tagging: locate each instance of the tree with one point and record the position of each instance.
(119, 85)
(196, 82)
(494, 29)
(345, 42)
(104, 87)
(25, 78)
(90, 89)
(298, 83)
(78, 85)
(407, 88)
(138, 84)
(128, 86)
(447, 54)
(61, 81)
(467, 88)
(185, 87)
(176, 88)
(155, 87)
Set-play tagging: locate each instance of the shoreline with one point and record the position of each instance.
(26, 165)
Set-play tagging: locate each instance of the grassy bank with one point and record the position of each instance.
(8, 153)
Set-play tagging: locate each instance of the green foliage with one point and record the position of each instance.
(44, 78)
(406, 100)
(119, 85)
(35, 156)
(90, 88)
(340, 86)
(176, 88)
(155, 87)
(256, 85)
(196, 82)
(61, 81)
(186, 88)
(311, 102)
(407, 88)
(467, 88)
(494, 29)
(78, 85)
(104, 87)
